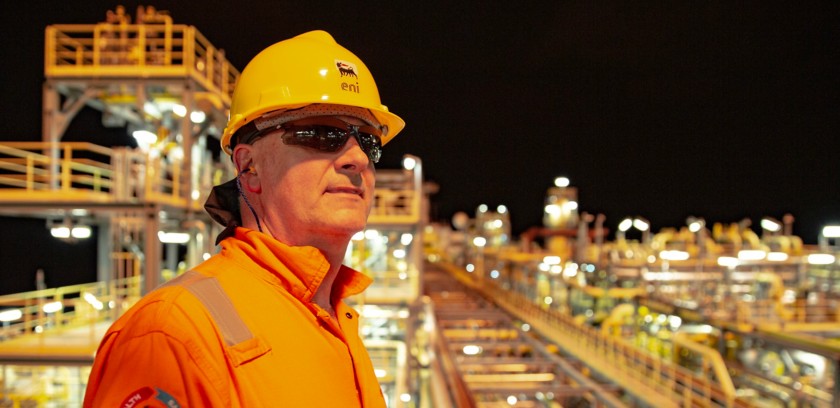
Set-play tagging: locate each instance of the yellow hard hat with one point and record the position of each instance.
(308, 69)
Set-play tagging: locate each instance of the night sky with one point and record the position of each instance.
(718, 109)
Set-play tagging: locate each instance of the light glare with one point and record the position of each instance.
(10, 315)
(821, 259)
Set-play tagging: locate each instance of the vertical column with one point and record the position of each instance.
(152, 250)
(187, 144)
(104, 249)
(49, 131)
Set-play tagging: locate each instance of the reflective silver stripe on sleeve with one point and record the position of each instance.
(216, 301)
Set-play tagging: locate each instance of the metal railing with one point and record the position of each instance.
(34, 312)
(120, 50)
(78, 166)
(619, 358)
(89, 172)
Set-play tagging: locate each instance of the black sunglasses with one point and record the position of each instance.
(329, 134)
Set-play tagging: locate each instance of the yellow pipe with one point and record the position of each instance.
(710, 356)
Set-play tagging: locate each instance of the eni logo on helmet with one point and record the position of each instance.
(347, 70)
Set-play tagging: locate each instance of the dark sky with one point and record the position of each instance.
(717, 109)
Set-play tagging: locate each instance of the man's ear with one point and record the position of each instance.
(243, 161)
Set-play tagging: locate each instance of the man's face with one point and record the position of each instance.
(310, 197)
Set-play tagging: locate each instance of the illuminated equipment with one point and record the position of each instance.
(561, 205)
(308, 69)
(493, 227)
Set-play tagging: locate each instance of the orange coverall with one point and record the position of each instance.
(170, 350)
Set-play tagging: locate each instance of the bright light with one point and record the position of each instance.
(695, 226)
(52, 307)
(409, 163)
(358, 236)
(777, 256)
(372, 234)
(553, 209)
(501, 209)
(406, 238)
(96, 303)
(552, 260)
(399, 253)
(641, 224)
(173, 237)
(470, 268)
(144, 137)
(770, 225)
(821, 259)
(482, 208)
(625, 225)
(512, 400)
(570, 205)
(206, 256)
(10, 315)
(151, 109)
(179, 110)
(405, 397)
(728, 261)
(751, 255)
(472, 349)
(673, 255)
(544, 267)
(198, 117)
(176, 153)
(82, 231)
(195, 194)
(831, 231)
(60, 232)
(556, 269)
(479, 241)
(494, 274)
(63, 232)
(380, 373)
(548, 300)
(675, 322)
(561, 181)
(570, 270)
(323, 72)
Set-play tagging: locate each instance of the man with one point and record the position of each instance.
(263, 323)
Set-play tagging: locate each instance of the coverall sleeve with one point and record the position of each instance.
(154, 367)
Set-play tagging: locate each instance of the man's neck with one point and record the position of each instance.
(323, 295)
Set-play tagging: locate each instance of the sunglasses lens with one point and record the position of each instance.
(371, 145)
(323, 138)
(331, 139)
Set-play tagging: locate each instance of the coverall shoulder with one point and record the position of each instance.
(276, 349)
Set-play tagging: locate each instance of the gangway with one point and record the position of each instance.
(491, 360)
(644, 379)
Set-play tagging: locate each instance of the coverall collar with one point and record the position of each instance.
(299, 269)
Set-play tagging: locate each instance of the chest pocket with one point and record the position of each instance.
(241, 346)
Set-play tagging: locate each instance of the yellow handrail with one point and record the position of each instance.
(599, 347)
(69, 305)
(159, 49)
